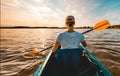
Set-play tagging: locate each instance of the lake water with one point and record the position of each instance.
(105, 45)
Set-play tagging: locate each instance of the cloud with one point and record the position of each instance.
(53, 12)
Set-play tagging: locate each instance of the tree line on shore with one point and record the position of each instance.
(85, 27)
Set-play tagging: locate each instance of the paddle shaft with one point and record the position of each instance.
(87, 31)
(47, 48)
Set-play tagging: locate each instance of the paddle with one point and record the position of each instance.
(98, 26)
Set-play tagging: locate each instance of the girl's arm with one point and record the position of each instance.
(55, 47)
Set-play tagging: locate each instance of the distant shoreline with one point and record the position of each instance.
(41, 28)
(45, 28)
(27, 27)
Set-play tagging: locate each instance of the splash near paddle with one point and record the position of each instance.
(101, 25)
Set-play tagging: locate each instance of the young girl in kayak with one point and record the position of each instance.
(68, 58)
(69, 39)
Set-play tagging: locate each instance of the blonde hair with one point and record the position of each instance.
(69, 16)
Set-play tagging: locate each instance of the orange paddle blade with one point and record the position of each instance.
(101, 25)
(33, 52)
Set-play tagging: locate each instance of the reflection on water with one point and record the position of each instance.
(105, 45)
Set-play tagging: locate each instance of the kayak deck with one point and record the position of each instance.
(70, 62)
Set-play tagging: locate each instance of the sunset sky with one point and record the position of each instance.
(53, 12)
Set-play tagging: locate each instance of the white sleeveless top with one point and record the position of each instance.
(69, 40)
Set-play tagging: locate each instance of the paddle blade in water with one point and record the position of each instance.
(33, 52)
(101, 25)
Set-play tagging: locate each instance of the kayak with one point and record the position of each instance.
(72, 62)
